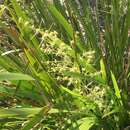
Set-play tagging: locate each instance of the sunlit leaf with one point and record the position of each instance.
(14, 76)
(116, 88)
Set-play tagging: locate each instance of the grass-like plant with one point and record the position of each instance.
(63, 66)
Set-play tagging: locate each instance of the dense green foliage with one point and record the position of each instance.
(64, 65)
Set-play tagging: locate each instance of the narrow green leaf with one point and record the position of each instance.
(61, 20)
(116, 88)
(14, 76)
(103, 70)
(18, 112)
(87, 123)
(18, 10)
(71, 92)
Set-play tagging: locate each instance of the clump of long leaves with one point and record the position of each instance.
(48, 77)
